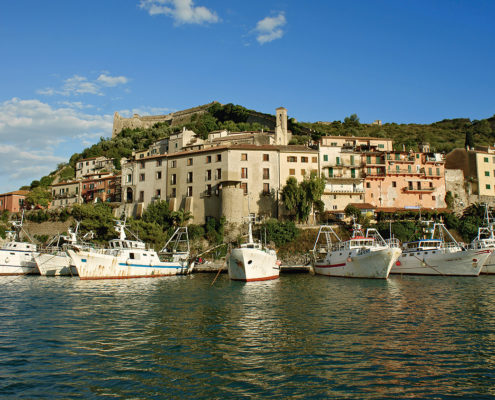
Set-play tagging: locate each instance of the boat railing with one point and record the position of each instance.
(393, 242)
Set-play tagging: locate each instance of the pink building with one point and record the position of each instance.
(404, 179)
(13, 201)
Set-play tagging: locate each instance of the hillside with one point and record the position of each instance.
(443, 136)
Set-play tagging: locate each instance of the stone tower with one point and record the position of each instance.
(281, 133)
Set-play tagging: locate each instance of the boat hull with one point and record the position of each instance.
(373, 264)
(55, 265)
(91, 265)
(461, 263)
(489, 266)
(250, 265)
(17, 263)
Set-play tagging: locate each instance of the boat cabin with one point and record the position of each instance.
(20, 246)
(118, 244)
(420, 245)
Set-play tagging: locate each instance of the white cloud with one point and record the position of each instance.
(270, 28)
(80, 85)
(182, 11)
(36, 137)
(108, 80)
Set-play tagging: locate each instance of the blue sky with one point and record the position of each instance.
(67, 66)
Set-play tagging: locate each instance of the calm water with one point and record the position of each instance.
(299, 337)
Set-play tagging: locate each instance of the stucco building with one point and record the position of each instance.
(13, 201)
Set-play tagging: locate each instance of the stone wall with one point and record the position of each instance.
(137, 121)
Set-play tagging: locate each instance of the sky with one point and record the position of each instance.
(67, 66)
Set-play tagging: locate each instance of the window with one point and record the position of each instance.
(244, 173)
(244, 157)
(487, 173)
(314, 159)
(325, 157)
(330, 172)
(368, 170)
(266, 157)
(189, 177)
(397, 168)
(87, 163)
(158, 163)
(433, 198)
(291, 159)
(141, 196)
(397, 156)
(409, 168)
(417, 155)
(394, 184)
(173, 193)
(333, 144)
(141, 164)
(141, 177)
(173, 179)
(266, 188)
(430, 171)
(292, 171)
(266, 173)
(208, 174)
(368, 159)
(244, 187)
(352, 160)
(158, 193)
(303, 172)
(173, 164)
(208, 159)
(189, 161)
(158, 174)
(208, 190)
(353, 173)
(189, 191)
(304, 159)
(338, 160)
(438, 171)
(128, 178)
(381, 146)
(219, 157)
(218, 173)
(368, 185)
(486, 159)
(488, 186)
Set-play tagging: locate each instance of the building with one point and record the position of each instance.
(93, 165)
(66, 193)
(341, 165)
(231, 174)
(478, 168)
(100, 188)
(13, 201)
(404, 179)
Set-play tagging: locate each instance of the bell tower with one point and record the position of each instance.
(281, 134)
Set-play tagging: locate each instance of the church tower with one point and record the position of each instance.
(281, 133)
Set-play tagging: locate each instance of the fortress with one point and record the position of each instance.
(137, 121)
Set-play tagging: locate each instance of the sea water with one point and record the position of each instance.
(300, 336)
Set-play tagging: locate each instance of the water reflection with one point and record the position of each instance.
(298, 336)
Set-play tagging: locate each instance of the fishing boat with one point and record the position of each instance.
(486, 240)
(16, 257)
(253, 261)
(126, 258)
(55, 261)
(440, 254)
(362, 256)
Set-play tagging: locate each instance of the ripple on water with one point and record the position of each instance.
(300, 336)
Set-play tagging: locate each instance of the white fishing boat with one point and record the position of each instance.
(253, 261)
(486, 240)
(56, 261)
(440, 254)
(16, 257)
(131, 259)
(362, 256)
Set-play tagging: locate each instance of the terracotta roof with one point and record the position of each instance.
(356, 137)
(16, 192)
(363, 206)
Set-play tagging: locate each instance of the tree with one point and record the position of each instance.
(291, 195)
(38, 197)
(352, 211)
(449, 199)
(313, 189)
(351, 121)
(300, 199)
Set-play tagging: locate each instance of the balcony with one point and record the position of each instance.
(418, 190)
(344, 191)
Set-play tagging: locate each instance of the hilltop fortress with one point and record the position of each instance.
(180, 118)
(137, 121)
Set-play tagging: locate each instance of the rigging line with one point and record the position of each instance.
(428, 265)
